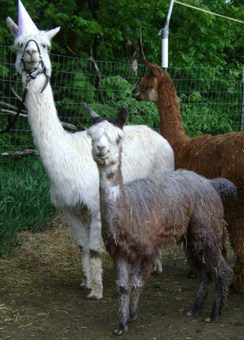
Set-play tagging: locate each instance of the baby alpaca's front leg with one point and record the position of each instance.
(137, 284)
(124, 300)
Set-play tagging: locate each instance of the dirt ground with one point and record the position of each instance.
(41, 298)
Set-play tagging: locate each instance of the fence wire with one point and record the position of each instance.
(210, 100)
(206, 94)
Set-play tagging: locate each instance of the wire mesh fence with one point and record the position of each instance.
(211, 97)
(211, 101)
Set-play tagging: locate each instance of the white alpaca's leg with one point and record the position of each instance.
(96, 283)
(85, 264)
(96, 251)
(79, 225)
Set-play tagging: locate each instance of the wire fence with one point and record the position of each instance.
(211, 100)
(207, 96)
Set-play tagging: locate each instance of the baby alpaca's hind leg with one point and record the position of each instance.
(224, 275)
(202, 293)
(136, 289)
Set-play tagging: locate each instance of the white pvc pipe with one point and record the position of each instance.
(165, 52)
(164, 32)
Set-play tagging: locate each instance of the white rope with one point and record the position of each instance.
(209, 12)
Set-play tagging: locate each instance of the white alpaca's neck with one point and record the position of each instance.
(49, 136)
(66, 156)
(46, 127)
(42, 114)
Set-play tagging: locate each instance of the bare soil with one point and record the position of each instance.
(41, 298)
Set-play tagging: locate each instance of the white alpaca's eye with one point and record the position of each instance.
(46, 47)
(20, 45)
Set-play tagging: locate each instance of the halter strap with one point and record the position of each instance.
(30, 76)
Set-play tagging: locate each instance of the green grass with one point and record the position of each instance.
(24, 201)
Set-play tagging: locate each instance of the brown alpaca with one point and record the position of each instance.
(210, 156)
(141, 217)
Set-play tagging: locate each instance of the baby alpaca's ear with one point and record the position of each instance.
(94, 116)
(122, 117)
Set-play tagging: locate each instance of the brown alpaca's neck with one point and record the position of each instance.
(171, 124)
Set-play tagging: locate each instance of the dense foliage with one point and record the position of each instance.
(110, 29)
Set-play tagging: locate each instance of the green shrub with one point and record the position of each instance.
(25, 203)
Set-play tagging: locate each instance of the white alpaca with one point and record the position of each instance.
(67, 157)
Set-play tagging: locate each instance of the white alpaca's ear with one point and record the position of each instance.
(52, 33)
(14, 29)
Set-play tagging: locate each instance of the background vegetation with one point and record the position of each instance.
(109, 31)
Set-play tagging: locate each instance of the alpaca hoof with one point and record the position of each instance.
(94, 297)
(84, 285)
(190, 313)
(157, 271)
(209, 320)
(118, 332)
(121, 330)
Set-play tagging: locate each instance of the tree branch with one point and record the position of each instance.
(13, 112)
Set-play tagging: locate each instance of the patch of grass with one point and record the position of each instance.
(25, 202)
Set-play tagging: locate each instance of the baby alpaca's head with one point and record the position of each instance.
(106, 135)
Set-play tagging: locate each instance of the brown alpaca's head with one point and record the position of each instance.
(148, 87)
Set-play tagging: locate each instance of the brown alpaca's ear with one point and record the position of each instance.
(122, 117)
(156, 71)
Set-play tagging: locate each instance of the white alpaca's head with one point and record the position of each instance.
(106, 135)
(32, 45)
